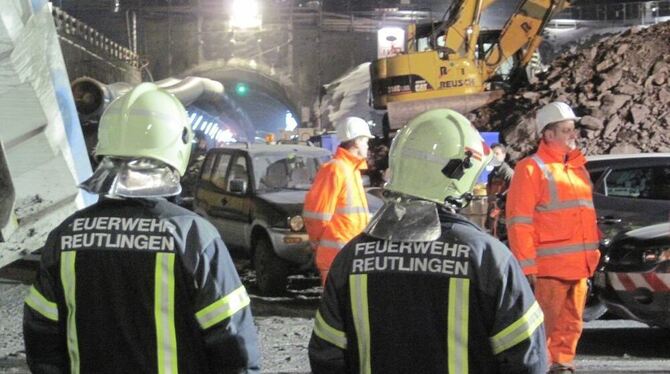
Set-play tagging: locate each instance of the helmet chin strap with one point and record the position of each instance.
(458, 203)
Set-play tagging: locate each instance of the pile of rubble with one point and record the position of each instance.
(620, 86)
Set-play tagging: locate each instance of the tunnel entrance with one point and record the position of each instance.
(255, 104)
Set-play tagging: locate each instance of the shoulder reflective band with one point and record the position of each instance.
(458, 318)
(328, 333)
(554, 203)
(68, 280)
(41, 305)
(358, 289)
(223, 308)
(348, 182)
(166, 336)
(518, 331)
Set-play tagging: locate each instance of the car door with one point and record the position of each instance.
(235, 203)
(632, 196)
(211, 187)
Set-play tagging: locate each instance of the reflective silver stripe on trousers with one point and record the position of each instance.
(317, 215)
(554, 203)
(552, 251)
(519, 219)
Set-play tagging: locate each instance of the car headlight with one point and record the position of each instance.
(296, 223)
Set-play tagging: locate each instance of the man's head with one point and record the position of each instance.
(499, 153)
(354, 134)
(556, 125)
(439, 155)
(144, 140)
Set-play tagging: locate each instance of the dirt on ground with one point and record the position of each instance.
(618, 85)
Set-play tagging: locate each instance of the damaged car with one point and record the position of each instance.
(634, 279)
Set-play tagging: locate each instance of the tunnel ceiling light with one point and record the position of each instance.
(241, 89)
(245, 14)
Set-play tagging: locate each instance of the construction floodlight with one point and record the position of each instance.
(245, 14)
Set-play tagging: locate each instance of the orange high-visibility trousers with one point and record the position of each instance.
(562, 302)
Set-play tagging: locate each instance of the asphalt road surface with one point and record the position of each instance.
(285, 323)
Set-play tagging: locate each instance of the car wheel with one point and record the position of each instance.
(594, 308)
(271, 271)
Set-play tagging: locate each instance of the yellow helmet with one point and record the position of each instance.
(146, 122)
(438, 155)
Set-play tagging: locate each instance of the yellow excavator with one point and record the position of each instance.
(453, 64)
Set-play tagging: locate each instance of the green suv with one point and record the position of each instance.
(254, 196)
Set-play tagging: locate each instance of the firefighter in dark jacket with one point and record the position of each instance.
(423, 290)
(135, 284)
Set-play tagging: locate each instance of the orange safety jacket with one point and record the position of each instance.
(551, 220)
(336, 208)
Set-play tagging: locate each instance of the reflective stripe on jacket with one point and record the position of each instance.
(336, 208)
(459, 304)
(138, 286)
(551, 220)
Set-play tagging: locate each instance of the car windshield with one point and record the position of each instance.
(282, 171)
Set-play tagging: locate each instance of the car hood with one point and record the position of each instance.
(650, 232)
(293, 200)
(287, 197)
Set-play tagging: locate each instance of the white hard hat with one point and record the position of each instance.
(552, 113)
(351, 128)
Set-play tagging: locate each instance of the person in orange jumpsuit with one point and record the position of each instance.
(552, 230)
(336, 208)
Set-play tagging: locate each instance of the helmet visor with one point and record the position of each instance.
(135, 178)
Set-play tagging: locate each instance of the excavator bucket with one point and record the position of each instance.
(400, 112)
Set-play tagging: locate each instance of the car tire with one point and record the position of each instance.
(594, 307)
(271, 271)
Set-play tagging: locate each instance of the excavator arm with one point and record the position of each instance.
(522, 32)
(458, 73)
(461, 29)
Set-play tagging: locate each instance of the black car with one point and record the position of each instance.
(634, 280)
(254, 195)
(630, 190)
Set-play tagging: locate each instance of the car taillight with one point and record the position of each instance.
(656, 255)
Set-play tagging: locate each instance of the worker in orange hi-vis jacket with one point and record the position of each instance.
(552, 230)
(336, 208)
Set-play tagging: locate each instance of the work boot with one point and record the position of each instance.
(561, 369)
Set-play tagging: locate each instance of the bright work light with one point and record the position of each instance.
(245, 14)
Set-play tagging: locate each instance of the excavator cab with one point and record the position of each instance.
(453, 64)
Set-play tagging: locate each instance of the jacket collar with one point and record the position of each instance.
(574, 158)
(356, 162)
